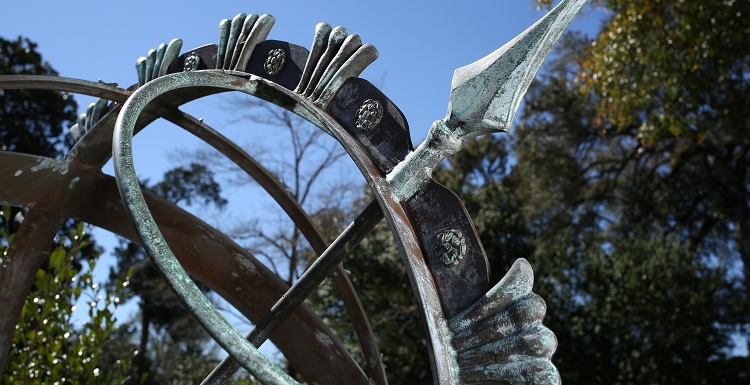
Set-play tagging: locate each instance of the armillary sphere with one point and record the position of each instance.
(477, 334)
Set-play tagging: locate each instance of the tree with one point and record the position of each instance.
(683, 90)
(627, 231)
(32, 121)
(637, 289)
(302, 164)
(673, 77)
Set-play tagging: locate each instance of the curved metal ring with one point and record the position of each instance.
(156, 246)
(55, 83)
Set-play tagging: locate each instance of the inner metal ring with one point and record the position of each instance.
(156, 246)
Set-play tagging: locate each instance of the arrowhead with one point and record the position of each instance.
(485, 95)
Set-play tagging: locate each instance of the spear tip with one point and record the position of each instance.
(486, 94)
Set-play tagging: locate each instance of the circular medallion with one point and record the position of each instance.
(275, 61)
(192, 62)
(450, 247)
(369, 115)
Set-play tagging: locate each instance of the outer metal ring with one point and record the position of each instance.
(244, 352)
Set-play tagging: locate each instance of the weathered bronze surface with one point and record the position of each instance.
(476, 334)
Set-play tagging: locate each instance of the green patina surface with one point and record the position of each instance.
(484, 98)
(219, 328)
(73, 183)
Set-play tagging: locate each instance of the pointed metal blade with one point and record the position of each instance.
(485, 95)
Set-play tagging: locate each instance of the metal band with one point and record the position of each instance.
(443, 358)
(153, 241)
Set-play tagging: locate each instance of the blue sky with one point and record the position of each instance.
(420, 44)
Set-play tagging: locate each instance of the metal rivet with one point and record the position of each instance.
(450, 247)
(275, 61)
(192, 62)
(369, 115)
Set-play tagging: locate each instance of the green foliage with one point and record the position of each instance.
(191, 184)
(625, 184)
(48, 347)
(630, 234)
(186, 185)
(672, 78)
(171, 364)
(159, 306)
(646, 311)
(630, 246)
(636, 293)
(6, 230)
(31, 121)
(673, 69)
(479, 174)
